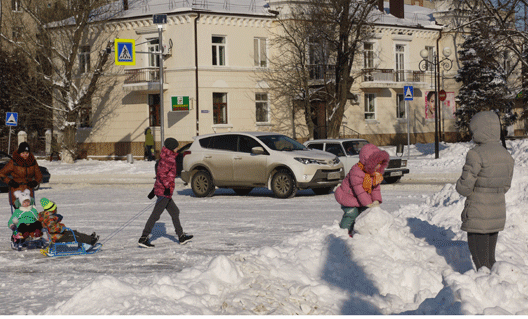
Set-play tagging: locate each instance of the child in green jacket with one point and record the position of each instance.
(24, 221)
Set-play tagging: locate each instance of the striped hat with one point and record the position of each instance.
(47, 204)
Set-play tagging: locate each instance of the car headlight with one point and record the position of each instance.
(403, 163)
(306, 161)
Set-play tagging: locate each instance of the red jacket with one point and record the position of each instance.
(165, 173)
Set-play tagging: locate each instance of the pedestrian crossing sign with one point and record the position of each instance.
(125, 52)
(11, 119)
(408, 92)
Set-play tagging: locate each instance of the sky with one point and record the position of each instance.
(259, 255)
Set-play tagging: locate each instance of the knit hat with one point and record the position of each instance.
(23, 147)
(171, 143)
(47, 204)
(23, 195)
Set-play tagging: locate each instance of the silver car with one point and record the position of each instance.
(244, 160)
(347, 149)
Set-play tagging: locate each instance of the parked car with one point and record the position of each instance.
(245, 160)
(347, 150)
(45, 176)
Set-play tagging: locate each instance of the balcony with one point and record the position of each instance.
(143, 80)
(390, 78)
(321, 72)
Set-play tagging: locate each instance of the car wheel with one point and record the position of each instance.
(243, 191)
(322, 190)
(391, 180)
(202, 184)
(283, 185)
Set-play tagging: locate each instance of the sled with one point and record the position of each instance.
(36, 243)
(69, 248)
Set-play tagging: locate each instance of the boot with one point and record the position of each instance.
(144, 242)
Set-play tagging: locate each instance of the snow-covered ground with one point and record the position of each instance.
(257, 254)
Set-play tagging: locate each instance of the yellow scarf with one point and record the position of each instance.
(369, 180)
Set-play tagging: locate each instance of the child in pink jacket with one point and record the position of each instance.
(361, 187)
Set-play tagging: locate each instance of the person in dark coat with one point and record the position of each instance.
(486, 177)
(22, 172)
(163, 189)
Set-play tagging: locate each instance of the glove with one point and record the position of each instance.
(13, 227)
(32, 184)
(166, 192)
(59, 217)
(13, 184)
(151, 194)
(373, 204)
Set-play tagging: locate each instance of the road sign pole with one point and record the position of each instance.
(9, 142)
(160, 30)
(408, 129)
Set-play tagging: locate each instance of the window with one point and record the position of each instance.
(430, 58)
(224, 142)
(335, 149)
(154, 109)
(261, 105)
(317, 58)
(85, 116)
(370, 106)
(400, 63)
(316, 146)
(17, 34)
(246, 143)
(219, 50)
(368, 56)
(260, 52)
(16, 5)
(153, 60)
(219, 108)
(84, 59)
(400, 106)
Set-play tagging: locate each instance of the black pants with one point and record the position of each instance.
(482, 248)
(148, 152)
(29, 228)
(163, 203)
(67, 236)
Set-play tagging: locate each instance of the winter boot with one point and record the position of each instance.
(95, 238)
(351, 230)
(184, 238)
(144, 242)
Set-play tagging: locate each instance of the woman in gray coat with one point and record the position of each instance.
(486, 177)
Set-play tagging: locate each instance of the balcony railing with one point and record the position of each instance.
(321, 71)
(390, 75)
(143, 75)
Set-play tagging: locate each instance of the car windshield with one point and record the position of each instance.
(281, 143)
(353, 147)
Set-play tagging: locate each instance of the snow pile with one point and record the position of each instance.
(413, 260)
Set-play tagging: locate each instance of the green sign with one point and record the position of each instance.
(180, 103)
(520, 95)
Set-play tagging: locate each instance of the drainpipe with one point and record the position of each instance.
(196, 73)
(438, 113)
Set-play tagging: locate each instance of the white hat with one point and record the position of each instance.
(22, 196)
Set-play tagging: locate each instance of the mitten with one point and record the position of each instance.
(59, 217)
(32, 184)
(13, 184)
(13, 227)
(373, 204)
(151, 194)
(166, 192)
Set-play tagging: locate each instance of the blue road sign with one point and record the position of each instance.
(11, 119)
(125, 51)
(408, 91)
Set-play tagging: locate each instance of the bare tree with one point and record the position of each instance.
(69, 56)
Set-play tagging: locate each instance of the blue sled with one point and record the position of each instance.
(70, 248)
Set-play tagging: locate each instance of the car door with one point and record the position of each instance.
(249, 169)
(219, 157)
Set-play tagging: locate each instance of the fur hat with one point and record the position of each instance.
(171, 143)
(23, 195)
(47, 204)
(23, 147)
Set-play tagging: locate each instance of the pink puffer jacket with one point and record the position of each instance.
(165, 173)
(351, 193)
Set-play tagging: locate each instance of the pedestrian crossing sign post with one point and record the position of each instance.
(125, 51)
(408, 91)
(11, 119)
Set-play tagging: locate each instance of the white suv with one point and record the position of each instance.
(244, 160)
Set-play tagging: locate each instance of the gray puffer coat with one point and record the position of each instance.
(486, 177)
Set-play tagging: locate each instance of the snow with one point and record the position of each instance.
(257, 254)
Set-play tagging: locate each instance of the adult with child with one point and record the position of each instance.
(22, 171)
(486, 177)
(51, 220)
(164, 185)
(24, 221)
(361, 189)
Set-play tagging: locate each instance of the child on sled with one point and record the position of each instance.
(57, 230)
(24, 221)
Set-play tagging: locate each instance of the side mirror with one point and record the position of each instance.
(258, 150)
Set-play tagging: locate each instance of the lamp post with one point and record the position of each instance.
(446, 64)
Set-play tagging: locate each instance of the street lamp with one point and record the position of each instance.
(446, 64)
